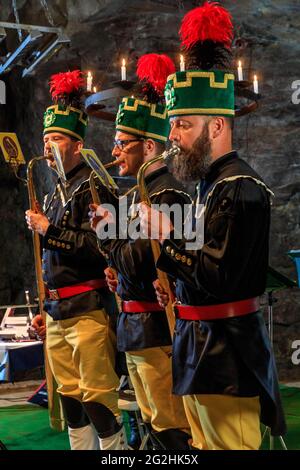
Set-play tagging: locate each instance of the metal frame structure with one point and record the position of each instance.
(38, 46)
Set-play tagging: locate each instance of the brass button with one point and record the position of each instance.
(189, 262)
(63, 245)
(68, 247)
(53, 242)
(172, 252)
(183, 259)
(67, 212)
(49, 241)
(63, 223)
(168, 249)
(178, 256)
(58, 244)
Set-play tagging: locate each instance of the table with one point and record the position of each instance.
(18, 357)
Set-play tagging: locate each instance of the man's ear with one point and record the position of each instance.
(78, 147)
(217, 125)
(149, 146)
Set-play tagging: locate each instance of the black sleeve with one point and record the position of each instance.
(131, 257)
(79, 240)
(236, 223)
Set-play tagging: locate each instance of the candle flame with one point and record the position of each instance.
(89, 74)
(181, 58)
(240, 63)
(123, 62)
(95, 89)
(255, 78)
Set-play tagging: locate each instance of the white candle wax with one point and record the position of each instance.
(255, 84)
(89, 82)
(240, 71)
(123, 70)
(182, 64)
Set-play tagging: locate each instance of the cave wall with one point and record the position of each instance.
(104, 31)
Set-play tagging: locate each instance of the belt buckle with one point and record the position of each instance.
(53, 294)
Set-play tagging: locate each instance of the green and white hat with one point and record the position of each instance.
(66, 115)
(200, 92)
(207, 86)
(143, 119)
(147, 117)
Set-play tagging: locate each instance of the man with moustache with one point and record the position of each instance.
(142, 331)
(80, 344)
(223, 364)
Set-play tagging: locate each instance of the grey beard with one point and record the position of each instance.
(192, 165)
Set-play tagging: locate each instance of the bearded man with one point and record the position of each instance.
(223, 363)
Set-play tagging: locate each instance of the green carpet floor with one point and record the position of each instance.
(26, 427)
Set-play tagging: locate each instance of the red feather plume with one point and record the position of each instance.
(208, 22)
(155, 69)
(62, 84)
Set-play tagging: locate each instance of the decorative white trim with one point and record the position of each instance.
(46, 207)
(75, 191)
(233, 178)
(171, 190)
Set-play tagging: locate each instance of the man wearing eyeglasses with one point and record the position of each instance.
(142, 330)
(128, 151)
(223, 363)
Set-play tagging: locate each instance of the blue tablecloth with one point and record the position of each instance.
(295, 255)
(18, 357)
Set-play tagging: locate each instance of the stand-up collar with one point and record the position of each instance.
(155, 174)
(75, 170)
(218, 165)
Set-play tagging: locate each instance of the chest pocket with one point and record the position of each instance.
(223, 209)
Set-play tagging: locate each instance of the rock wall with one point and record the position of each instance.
(104, 31)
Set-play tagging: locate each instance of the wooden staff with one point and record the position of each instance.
(54, 407)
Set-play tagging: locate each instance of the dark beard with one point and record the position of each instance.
(192, 165)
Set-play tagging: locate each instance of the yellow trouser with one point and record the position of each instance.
(82, 357)
(223, 422)
(150, 374)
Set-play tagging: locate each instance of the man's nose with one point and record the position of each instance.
(174, 136)
(47, 146)
(116, 151)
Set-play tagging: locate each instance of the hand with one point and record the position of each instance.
(37, 220)
(111, 279)
(154, 224)
(99, 217)
(37, 328)
(161, 294)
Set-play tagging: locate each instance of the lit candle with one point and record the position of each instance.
(95, 89)
(255, 84)
(89, 82)
(240, 71)
(182, 64)
(123, 70)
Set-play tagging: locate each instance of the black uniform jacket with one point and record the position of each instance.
(228, 356)
(70, 250)
(135, 265)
